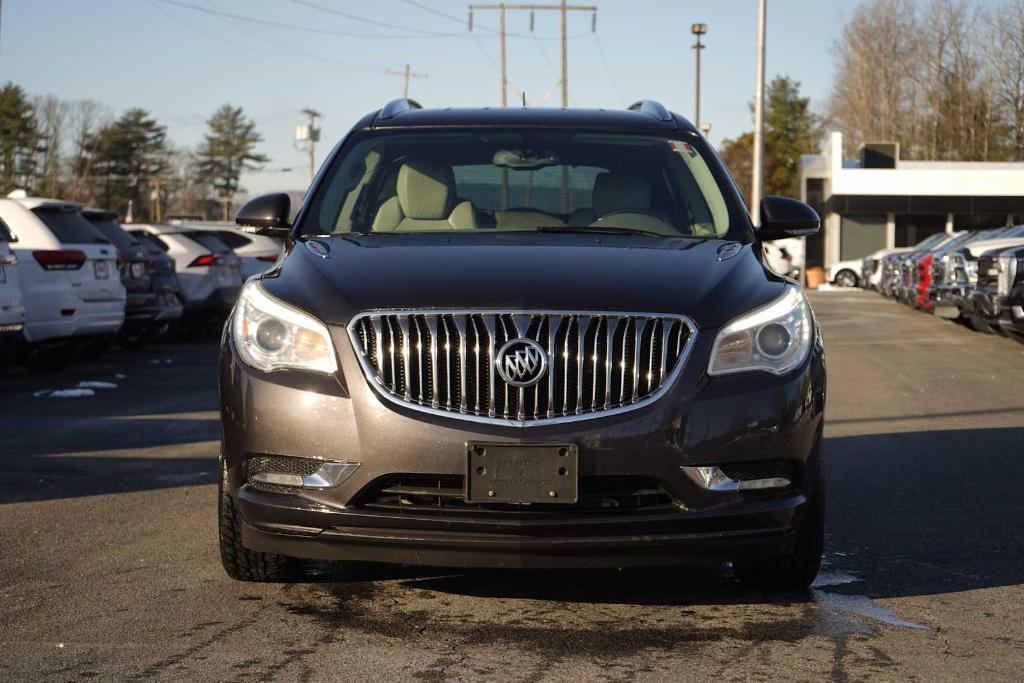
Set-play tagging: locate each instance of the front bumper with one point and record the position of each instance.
(949, 300)
(700, 421)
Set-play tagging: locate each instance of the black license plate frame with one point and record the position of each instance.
(521, 473)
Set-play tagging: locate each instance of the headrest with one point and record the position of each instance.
(620, 192)
(425, 190)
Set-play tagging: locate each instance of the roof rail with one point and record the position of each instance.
(396, 107)
(652, 107)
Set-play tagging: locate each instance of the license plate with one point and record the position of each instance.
(501, 473)
(102, 269)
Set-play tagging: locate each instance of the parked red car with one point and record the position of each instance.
(923, 282)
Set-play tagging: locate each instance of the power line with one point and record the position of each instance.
(608, 70)
(288, 50)
(374, 22)
(291, 27)
(508, 34)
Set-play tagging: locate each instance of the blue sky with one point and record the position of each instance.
(181, 63)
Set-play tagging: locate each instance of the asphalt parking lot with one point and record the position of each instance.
(109, 567)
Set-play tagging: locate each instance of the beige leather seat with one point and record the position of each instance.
(614, 192)
(424, 196)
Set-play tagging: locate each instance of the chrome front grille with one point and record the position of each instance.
(1007, 273)
(445, 361)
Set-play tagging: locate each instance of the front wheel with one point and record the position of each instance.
(846, 278)
(239, 562)
(797, 570)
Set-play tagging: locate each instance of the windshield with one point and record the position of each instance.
(519, 180)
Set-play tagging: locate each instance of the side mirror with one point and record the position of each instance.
(266, 215)
(782, 217)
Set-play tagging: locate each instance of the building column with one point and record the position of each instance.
(949, 224)
(890, 231)
(832, 238)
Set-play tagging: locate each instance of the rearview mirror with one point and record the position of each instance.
(782, 217)
(266, 215)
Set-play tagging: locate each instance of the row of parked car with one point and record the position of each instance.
(975, 277)
(74, 281)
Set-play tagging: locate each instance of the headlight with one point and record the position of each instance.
(269, 334)
(971, 267)
(774, 338)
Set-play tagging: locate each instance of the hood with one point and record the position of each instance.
(980, 247)
(712, 281)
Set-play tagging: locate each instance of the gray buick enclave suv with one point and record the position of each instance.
(523, 338)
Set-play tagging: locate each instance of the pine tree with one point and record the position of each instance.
(791, 130)
(20, 141)
(229, 148)
(124, 157)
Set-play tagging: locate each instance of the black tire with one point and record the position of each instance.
(977, 325)
(239, 562)
(797, 570)
(846, 278)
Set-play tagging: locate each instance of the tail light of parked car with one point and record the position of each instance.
(205, 260)
(60, 259)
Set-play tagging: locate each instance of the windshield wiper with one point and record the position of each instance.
(608, 230)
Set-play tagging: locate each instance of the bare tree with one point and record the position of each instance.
(85, 117)
(1003, 38)
(913, 72)
(875, 90)
(51, 113)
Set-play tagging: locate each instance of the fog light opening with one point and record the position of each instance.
(328, 475)
(714, 479)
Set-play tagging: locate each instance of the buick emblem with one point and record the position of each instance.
(521, 362)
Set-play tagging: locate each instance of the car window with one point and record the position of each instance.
(114, 232)
(520, 180)
(5, 233)
(151, 242)
(233, 239)
(70, 227)
(208, 240)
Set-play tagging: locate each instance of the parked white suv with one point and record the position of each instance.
(69, 278)
(12, 308)
(209, 272)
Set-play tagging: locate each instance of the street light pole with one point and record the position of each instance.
(698, 30)
(757, 170)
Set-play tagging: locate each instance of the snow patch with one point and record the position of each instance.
(96, 385)
(64, 393)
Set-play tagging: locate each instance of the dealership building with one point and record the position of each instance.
(879, 201)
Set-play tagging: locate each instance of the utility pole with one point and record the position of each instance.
(406, 74)
(563, 8)
(309, 134)
(698, 30)
(757, 169)
(156, 185)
